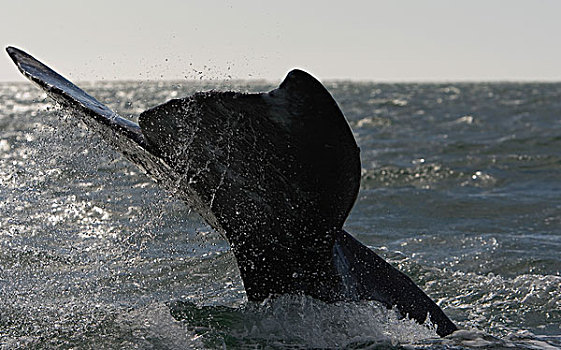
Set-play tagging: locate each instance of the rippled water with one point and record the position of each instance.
(461, 189)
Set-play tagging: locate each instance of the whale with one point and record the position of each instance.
(276, 173)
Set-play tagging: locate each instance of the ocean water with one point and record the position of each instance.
(461, 190)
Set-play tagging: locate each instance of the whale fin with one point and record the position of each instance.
(291, 147)
(122, 134)
(72, 97)
(277, 173)
(297, 132)
(326, 141)
(369, 277)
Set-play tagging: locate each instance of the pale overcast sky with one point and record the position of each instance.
(360, 40)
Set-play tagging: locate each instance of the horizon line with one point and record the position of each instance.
(326, 80)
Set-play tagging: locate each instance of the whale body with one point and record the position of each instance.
(276, 173)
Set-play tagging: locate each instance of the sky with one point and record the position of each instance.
(397, 40)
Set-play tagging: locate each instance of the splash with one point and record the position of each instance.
(301, 322)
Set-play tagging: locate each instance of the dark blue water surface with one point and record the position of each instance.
(461, 189)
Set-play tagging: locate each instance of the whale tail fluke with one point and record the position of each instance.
(277, 173)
